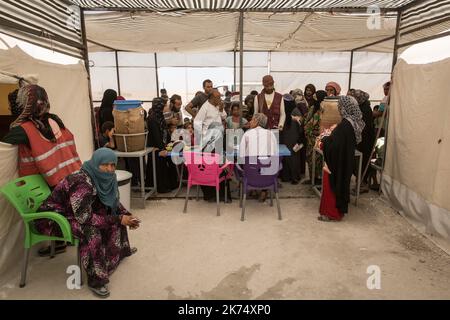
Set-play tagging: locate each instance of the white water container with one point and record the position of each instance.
(124, 181)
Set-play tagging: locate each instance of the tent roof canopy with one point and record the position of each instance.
(227, 5)
(269, 25)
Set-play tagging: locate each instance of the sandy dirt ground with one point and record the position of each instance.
(201, 256)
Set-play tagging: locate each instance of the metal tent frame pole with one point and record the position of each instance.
(241, 58)
(88, 71)
(351, 70)
(116, 54)
(157, 75)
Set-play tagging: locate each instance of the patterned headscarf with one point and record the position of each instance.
(361, 96)
(34, 101)
(16, 109)
(349, 109)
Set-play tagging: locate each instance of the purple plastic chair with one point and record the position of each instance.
(204, 170)
(260, 174)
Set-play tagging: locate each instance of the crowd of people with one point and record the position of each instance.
(87, 194)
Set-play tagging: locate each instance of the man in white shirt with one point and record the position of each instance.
(271, 103)
(209, 120)
(258, 142)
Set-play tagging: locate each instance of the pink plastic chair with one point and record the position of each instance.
(204, 170)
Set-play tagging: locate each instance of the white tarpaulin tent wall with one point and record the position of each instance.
(417, 172)
(67, 87)
(183, 74)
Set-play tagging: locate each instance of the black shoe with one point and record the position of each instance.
(295, 182)
(307, 182)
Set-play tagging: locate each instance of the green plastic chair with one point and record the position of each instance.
(27, 194)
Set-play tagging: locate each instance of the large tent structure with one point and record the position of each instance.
(77, 27)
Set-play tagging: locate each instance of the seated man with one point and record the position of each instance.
(89, 199)
(107, 137)
(258, 142)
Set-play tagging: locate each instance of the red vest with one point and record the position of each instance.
(53, 160)
(273, 114)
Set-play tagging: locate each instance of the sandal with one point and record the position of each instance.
(102, 292)
(324, 219)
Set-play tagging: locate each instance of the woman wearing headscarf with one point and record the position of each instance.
(293, 137)
(46, 146)
(312, 131)
(159, 138)
(310, 90)
(299, 115)
(339, 154)
(333, 89)
(106, 108)
(368, 134)
(89, 199)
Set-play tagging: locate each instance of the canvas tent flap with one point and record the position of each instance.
(418, 152)
(11, 226)
(67, 87)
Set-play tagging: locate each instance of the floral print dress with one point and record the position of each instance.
(103, 240)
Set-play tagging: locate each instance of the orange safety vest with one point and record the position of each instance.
(53, 160)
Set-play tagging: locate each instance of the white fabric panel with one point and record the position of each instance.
(287, 81)
(253, 59)
(130, 59)
(206, 32)
(418, 151)
(372, 62)
(216, 59)
(11, 226)
(102, 78)
(310, 61)
(151, 32)
(432, 219)
(253, 75)
(372, 84)
(67, 88)
(312, 32)
(102, 59)
(138, 83)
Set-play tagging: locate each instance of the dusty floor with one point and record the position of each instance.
(201, 256)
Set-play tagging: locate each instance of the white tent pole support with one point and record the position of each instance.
(157, 74)
(241, 56)
(88, 71)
